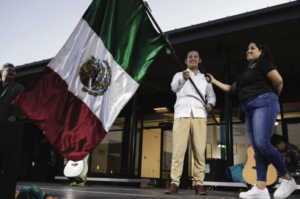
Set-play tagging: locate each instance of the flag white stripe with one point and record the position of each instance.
(82, 44)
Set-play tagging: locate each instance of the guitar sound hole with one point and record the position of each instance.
(74, 164)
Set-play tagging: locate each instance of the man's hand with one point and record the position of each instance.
(186, 74)
(208, 107)
(11, 119)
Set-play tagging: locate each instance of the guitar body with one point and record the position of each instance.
(249, 171)
(76, 170)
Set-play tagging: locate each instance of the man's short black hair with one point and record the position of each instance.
(6, 65)
(276, 139)
(191, 51)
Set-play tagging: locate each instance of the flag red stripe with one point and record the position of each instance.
(66, 121)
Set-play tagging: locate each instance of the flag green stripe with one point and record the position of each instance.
(126, 32)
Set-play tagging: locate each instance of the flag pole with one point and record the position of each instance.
(176, 57)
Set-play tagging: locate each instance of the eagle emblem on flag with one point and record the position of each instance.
(95, 77)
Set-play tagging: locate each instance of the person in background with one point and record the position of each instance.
(9, 90)
(290, 154)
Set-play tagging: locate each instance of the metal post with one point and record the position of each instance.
(125, 161)
(228, 118)
(161, 155)
(133, 134)
(222, 138)
(141, 147)
(283, 124)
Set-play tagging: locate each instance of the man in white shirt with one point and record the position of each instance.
(190, 116)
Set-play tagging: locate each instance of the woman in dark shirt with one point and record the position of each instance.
(259, 87)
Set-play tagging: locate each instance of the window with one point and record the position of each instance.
(112, 155)
(107, 156)
(215, 145)
(241, 141)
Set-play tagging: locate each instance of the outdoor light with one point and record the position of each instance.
(160, 108)
(98, 167)
(276, 123)
(33, 164)
(222, 146)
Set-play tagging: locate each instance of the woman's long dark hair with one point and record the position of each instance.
(266, 53)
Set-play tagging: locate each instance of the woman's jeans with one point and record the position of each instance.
(261, 114)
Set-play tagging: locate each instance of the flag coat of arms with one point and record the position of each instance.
(77, 97)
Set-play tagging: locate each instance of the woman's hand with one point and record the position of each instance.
(212, 79)
(224, 87)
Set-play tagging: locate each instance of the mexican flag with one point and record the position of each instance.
(78, 96)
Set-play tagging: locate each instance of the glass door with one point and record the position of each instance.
(151, 153)
(166, 154)
(157, 151)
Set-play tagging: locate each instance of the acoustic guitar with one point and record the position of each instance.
(249, 171)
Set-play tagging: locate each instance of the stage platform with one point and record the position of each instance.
(64, 191)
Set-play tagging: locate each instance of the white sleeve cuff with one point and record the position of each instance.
(182, 80)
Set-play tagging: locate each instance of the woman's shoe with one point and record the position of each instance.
(256, 193)
(286, 188)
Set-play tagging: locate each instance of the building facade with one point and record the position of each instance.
(139, 144)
